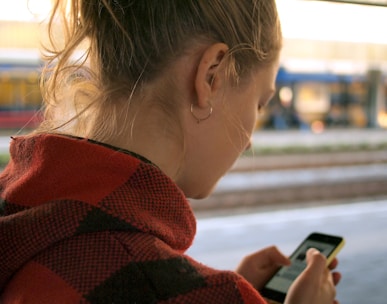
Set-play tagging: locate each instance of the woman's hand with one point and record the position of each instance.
(258, 267)
(316, 284)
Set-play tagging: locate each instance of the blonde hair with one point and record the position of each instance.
(127, 44)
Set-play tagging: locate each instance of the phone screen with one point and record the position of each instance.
(278, 285)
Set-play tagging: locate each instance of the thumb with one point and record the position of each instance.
(315, 260)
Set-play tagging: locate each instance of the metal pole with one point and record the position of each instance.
(375, 88)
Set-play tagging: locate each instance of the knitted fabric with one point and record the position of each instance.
(82, 222)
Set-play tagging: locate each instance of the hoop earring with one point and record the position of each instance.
(198, 119)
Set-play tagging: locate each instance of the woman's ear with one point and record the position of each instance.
(208, 76)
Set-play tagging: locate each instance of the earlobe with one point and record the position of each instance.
(208, 76)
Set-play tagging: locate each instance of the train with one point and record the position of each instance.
(20, 96)
(320, 99)
(304, 100)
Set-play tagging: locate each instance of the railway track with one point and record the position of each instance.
(280, 180)
(309, 160)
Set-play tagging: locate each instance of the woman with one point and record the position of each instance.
(159, 106)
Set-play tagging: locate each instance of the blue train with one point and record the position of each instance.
(318, 100)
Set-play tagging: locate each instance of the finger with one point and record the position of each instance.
(336, 277)
(276, 256)
(272, 257)
(333, 264)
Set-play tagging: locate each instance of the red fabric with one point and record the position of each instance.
(84, 223)
(36, 279)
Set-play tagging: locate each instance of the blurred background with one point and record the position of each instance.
(319, 155)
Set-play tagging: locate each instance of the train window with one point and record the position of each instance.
(6, 93)
(357, 93)
(32, 97)
(18, 93)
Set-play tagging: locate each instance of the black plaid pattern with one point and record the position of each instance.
(107, 229)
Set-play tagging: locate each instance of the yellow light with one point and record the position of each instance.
(286, 96)
(382, 119)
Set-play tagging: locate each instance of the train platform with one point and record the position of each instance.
(222, 241)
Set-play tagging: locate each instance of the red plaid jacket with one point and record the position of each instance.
(82, 222)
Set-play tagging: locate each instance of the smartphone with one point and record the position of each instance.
(276, 288)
